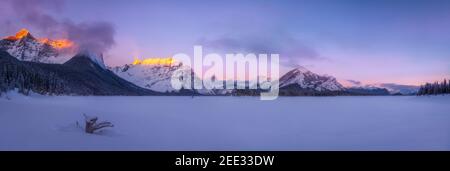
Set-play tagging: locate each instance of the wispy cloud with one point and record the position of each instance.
(292, 51)
(355, 82)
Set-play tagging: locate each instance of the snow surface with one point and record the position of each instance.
(227, 123)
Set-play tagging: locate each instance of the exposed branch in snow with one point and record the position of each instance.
(92, 125)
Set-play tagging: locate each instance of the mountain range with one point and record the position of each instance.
(31, 64)
(391, 88)
(158, 77)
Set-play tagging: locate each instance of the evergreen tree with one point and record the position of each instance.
(444, 87)
(429, 89)
(436, 88)
(420, 92)
(448, 87)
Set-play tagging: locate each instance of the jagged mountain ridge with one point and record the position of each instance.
(298, 81)
(158, 77)
(301, 81)
(155, 78)
(306, 79)
(26, 47)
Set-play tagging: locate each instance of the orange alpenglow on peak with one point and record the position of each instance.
(58, 44)
(155, 61)
(19, 35)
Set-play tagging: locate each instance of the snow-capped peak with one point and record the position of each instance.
(25, 47)
(299, 69)
(153, 77)
(21, 34)
(305, 79)
(156, 75)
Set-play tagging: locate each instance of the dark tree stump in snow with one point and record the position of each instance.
(91, 124)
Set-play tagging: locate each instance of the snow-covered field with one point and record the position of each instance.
(227, 123)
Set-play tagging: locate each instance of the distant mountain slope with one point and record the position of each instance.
(367, 91)
(402, 89)
(391, 88)
(78, 76)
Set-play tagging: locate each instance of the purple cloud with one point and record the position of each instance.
(92, 36)
(292, 51)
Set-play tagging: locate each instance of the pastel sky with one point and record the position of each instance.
(373, 41)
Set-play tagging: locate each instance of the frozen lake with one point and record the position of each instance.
(227, 123)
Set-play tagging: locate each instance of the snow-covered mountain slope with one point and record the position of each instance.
(156, 77)
(25, 47)
(153, 77)
(304, 79)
